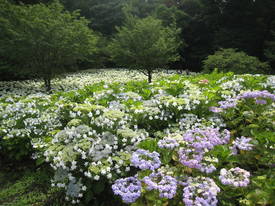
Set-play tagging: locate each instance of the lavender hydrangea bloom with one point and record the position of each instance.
(207, 168)
(199, 141)
(200, 191)
(165, 184)
(260, 101)
(243, 143)
(236, 177)
(143, 159)
(256, 94)
(206, 138)
(215, 109)
(128, 188)
(192, 159)
(168, 143)
(230, 103)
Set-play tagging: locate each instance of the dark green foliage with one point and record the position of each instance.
(145, 44)
(44, 40)
(104, 15)
(24, 185)
(269, 51)
(227, 60)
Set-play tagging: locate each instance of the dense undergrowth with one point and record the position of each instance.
(182, 140)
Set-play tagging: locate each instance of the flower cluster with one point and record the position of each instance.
(73, 81)
(236, 177)
(143, 159)
(100, 132)
(199, 142)
(168, 143)
(257, 94)
(129, 189)
(242, 143)
(165, 184)
(206, 138)
(200, 191)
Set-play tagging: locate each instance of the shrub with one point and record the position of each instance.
(231, 60)
(145, 44)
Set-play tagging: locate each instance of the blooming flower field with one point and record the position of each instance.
(181, 140)
(73, 81)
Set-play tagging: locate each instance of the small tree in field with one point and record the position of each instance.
(44, 39)
(145, 45)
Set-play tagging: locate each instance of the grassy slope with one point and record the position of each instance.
(26, 186)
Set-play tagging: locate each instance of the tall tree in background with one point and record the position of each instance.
(269, 50)
(245, 25)
(104, 15)
(145, 45)
(44, 40)
(206, 25)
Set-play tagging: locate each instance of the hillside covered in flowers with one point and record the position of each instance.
(201, 139)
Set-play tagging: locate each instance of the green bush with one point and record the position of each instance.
(231, 60)
(145, 45)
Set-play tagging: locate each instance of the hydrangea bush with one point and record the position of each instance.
(205, 140)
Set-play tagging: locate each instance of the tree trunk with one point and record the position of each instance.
(47, 82)
(149, 76)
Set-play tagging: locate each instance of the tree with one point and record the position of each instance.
(145, 45)
(104, 15)
(269, 50)
(231, 60)
(44, 39)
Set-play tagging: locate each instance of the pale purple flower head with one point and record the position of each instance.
(215, 109)
(165, 184)
(192, 159)
(236, 177)
(129, 189)
(206, 138)
(168, 143)
(144, 159)
(257, 94)
(230, 103)
(260, 101)
(200, 191)
(243, 143)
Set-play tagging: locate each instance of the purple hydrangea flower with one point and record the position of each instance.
(200, 191)
(165, 184)
(144, 159)
(230, 103)
(128, 188)
(207, 168)
(206, 138)
(236, 177)
(242, 143)
(215, 109)
(256, 94)
(260, 101)
(192, 159)
(199, 142)
(168, 143)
